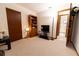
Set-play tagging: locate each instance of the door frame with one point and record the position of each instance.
(66, 24)
(58, 21)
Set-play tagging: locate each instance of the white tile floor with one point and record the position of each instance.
(40, 47)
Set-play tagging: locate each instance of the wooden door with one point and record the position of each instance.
(58, 26)
(14, 24)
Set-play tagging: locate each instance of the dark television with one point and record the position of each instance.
(45, 28)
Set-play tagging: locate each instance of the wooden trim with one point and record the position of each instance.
(75, 48)
(70, 26)
(63, 14)
(64, 10)
(32, 16)
(13, 10)
(58, 17)
(67, 26)
(58, 24)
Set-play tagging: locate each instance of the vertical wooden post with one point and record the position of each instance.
(70, 27)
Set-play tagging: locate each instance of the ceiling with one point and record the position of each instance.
(37, 7)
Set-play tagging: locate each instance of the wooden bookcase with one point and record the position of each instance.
(32, 20)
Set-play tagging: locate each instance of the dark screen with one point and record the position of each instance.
(45, 28)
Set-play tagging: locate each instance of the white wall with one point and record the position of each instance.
(44, 20)
(24, 16)
(52, 13)
(75, 36)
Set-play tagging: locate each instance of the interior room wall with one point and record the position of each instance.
(24, 16)
(52, 13)
(44, 20)
(75, 34)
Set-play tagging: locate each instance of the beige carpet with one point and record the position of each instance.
(40, 47)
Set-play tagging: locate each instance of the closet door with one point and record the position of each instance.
(14, 24)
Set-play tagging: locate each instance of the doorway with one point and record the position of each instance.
(14, 24)
(63, 25)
